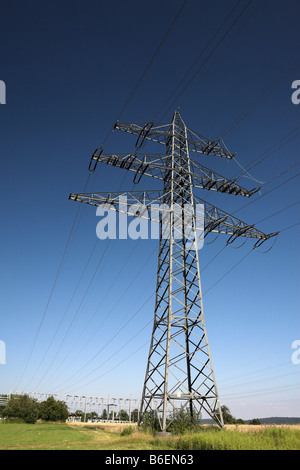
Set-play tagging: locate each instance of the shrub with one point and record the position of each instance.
(184, 422)
(127, 431)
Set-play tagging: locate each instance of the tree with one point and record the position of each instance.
(228, 418)
(135, 415)
(23, 407)
(92, 415)
(255, 421)
(123, 415)
(53, 410)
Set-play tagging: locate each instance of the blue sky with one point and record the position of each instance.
(69, 68)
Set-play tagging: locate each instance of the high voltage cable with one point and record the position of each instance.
(198, 58)
(259, 160)
(259, 380)
(262, 97)
(64, 315)
(263, 391)
(76, 215)
(164, 38)
(254, 372)
(52, 290)
(108, 342)
(228, 272)
(122, 112)
(244, 257)
(278, 212)
(247, 254)
(110, 339)
(136, 86)
(267, 192)
(289, 227)
(224, 275)
(135, 352)
(106, 317)
(74, 317)
(209, 55)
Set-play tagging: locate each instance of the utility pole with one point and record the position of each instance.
(179, 373)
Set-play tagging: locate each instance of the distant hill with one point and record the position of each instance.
(277, 420)
(272, 420)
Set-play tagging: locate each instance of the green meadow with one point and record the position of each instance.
(61, 436)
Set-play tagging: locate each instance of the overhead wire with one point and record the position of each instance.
(142, 76)
(266, 154)
(261, 98)
(205, 293)
(95, 331)
(78, 209)
(76, 312)
(198, 58)
(266, 193)
(247, 254)
(108, 342)
(105, 362)
(220, 41)
(51, 293)
(126, 103)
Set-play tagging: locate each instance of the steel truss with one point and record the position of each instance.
(179, 373)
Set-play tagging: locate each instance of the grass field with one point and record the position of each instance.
(47, 436)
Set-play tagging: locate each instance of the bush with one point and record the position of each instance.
(180, 423)
(184, 422)
(127, 431)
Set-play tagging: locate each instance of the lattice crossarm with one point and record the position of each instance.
(161, 133)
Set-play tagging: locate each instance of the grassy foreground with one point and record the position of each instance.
(47, 436)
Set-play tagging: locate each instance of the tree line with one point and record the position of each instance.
(29, 410)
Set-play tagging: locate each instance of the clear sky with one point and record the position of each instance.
(84, 326)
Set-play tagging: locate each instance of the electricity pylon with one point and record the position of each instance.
(179, 368)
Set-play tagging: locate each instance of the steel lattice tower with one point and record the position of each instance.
(179, 373)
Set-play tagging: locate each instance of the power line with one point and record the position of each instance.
(289, 227)
(105, 362)
(108, 342)
(198, 58)
(233, 267)
(259, 160)
(74, 317)
(210, 54)
(228, 272)
(278, 212)
(76, 215)
(51, 292)
(262, 97)
(105, 318)
(267, 192)
(136, 86)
